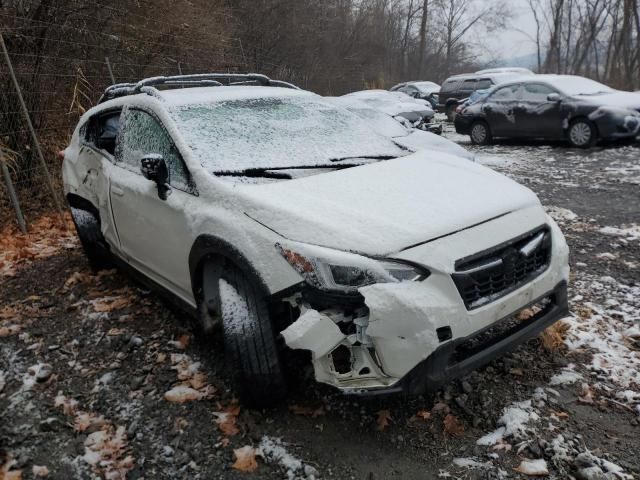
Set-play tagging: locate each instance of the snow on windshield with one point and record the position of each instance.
(427, 87)
(572, 85)
(272, 132)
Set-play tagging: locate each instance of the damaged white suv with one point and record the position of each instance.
(286, 221)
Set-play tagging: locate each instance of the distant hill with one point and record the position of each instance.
(527, 61)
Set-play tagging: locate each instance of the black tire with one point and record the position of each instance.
(93, 243)
(480, 133)
(450, 111)
(250, 344)
(582, 133)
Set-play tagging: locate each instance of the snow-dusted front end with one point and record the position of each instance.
(412, 332)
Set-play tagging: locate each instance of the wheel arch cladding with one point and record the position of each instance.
(76, 201)
(211, 248)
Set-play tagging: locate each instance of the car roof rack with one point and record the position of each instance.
(150, 85)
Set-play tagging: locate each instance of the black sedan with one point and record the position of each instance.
(553, 107)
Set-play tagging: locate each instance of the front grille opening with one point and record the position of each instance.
(489, 275)
(501, 330)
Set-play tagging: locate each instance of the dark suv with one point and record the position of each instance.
(457, 88)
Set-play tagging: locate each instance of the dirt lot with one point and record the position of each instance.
(92, 369)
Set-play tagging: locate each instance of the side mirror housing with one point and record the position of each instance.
(554, 97)
(154, 168)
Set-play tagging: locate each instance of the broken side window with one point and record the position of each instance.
(102, 130)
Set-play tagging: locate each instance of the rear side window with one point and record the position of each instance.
(483, 84)
(536, 92)
(142, 135)
(505, 94)
(469, 85)
(102, 130)
(449, 86)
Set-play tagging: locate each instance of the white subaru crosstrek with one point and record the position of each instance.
(287, 222)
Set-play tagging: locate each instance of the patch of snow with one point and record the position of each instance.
(560, 214)
(236, 319)
(567, 376)
(469, 463)
(273, 450)
(533, 467)
(631, 232)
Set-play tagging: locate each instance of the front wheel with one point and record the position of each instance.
(582, 133)
(480, 133)
(93, 243)
(249, 340)
(450, 111)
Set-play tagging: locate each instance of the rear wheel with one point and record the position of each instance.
(93, 243)
(582, 133)
(480, 133)
(249, 340)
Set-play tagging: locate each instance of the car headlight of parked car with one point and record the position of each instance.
(334, 270)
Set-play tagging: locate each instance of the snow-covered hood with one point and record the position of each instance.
(381, 208)
(618, 99)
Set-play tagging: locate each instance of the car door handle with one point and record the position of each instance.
(117, 191)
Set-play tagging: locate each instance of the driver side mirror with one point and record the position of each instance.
(154, 168)
(554, 97)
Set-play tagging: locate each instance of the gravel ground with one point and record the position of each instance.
(89, 367)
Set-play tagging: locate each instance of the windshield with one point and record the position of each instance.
(263, 133)
(427, 87)
(571, 85)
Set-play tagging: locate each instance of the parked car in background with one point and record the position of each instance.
(519, 70)
(552, 107)
(411, 138)
(419, 89)
(457, 88)
(397, 104)
(282, 221)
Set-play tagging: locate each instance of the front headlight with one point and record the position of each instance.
(329, 269)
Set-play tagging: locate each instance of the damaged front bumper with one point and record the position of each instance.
(415, 336)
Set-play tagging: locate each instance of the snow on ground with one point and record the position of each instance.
(608, 328)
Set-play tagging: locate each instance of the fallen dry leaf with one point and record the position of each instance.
(307, 411)
(245, 459)
(183, 394)
(384, 419)
(108, 304)
(226, 420)
(587, 395)
(560, 414)
(518, 372)
(85, 421)
(453, 426)
(424, 414)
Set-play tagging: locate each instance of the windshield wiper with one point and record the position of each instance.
(364, 157)
(276, 172)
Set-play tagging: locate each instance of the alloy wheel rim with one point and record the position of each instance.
(479, 133)
(580, 133)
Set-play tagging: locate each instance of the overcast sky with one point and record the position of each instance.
(512, 42)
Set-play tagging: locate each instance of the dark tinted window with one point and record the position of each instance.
(469, 85)
(449, 86)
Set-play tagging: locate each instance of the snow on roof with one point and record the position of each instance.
(202, 95)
